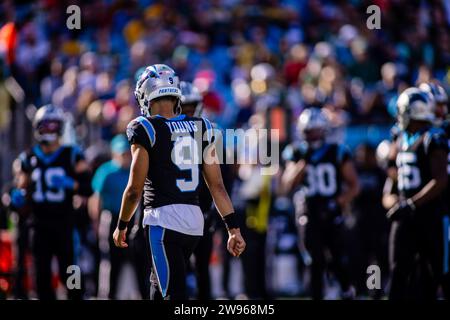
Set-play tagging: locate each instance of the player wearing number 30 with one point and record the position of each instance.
(419, 157)
(168, 150)
(321, 169)
(48, 177)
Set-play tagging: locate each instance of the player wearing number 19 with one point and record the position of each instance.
(321, 169)
(420, 159)
(167, 159)
(48, 177)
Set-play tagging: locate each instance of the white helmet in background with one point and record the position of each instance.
(437, 92)
(156, 81)
(440, 98)
(191, 95)
(414, 104)
(312, 126)
(48, 124)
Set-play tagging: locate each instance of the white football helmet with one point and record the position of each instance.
(439, 96)
(313, 119)
(191, 95)
(156, 81)
(437, 92)
(414, 104)
(48, 123)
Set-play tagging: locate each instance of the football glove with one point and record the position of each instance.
(18, 198)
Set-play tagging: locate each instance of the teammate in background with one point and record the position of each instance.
(322, 168)
(166, 163)
(372, 226)
(420, 155)
(441, 111)
(108, 184)
(49, 175)
(191, 105)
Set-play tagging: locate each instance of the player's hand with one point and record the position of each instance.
(119, 237)
(18, 198)
(236, 244)
(344, 200)
(62, 182)
(401, 210)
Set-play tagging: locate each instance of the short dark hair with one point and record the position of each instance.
(172, 99)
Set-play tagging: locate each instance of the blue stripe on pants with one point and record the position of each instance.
(160, 263)
(446, 224)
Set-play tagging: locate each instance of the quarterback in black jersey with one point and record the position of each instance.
(321, 168)
(48, 177)
(169, 153)
(420, 156)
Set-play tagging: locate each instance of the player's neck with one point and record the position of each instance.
(49, 148)
(163, 109)
(164, 113)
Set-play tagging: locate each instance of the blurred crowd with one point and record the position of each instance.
(254, 62)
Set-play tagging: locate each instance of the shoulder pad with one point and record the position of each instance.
(343, 153)
(435, 137)
(142, 131)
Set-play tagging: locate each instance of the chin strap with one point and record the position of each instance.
(178, 108)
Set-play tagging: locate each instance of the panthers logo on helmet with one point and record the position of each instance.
(414, 104)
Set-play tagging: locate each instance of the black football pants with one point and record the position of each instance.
(420, 236)
(53, 240)
(324, 232)
(169, 252)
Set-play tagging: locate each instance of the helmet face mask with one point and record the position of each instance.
(156, 81)
(441, 111)
(48, 124)
(314, 136)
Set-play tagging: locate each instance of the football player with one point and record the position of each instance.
(420, 156)
(167, 161)
(48, 177)
(192, 105)
(440, 98)
(321, 168)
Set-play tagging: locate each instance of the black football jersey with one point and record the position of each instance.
(175, 147)
(47, 201)
(413, 158)
(446, 129)
(323, 180)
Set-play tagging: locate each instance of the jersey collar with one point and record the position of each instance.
(179, 117)
(411, 138)
(319, 153)
(47, 158)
